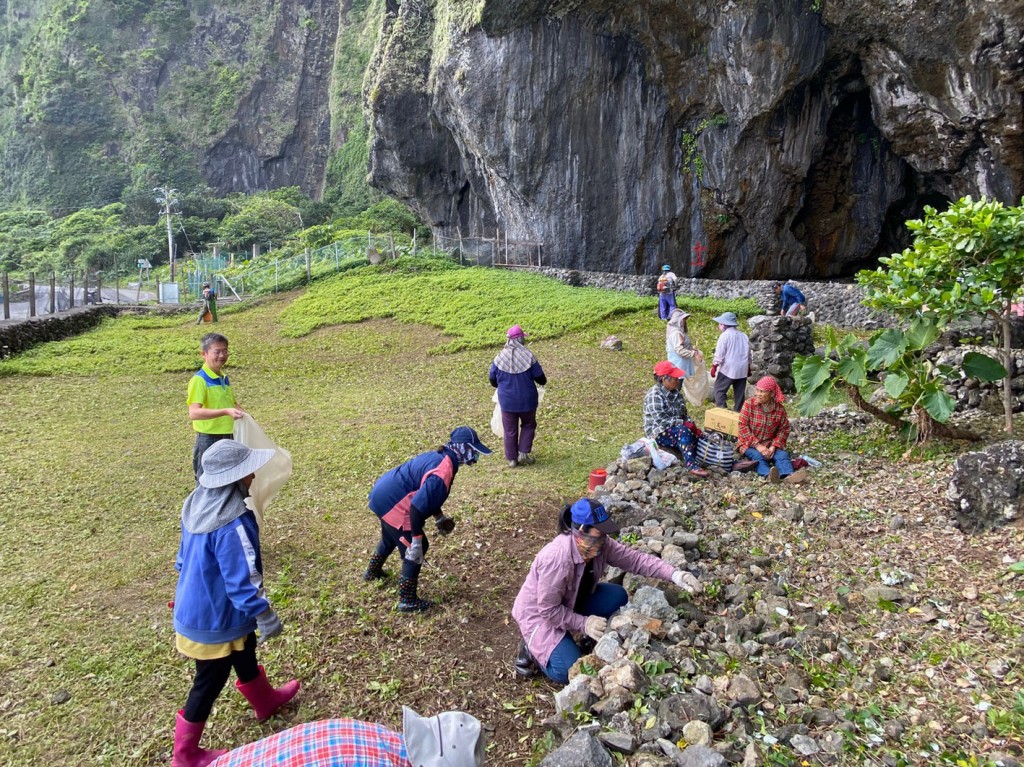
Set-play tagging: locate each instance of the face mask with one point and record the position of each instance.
(588, 546)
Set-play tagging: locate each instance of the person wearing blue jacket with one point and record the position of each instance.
(515, 373)
(793, 300)
(404, 498)
(220, 601)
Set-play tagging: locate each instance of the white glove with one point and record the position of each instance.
(595, 626)
(414, 553)
(686, 582)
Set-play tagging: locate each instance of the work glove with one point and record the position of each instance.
(269, 625)
(414, 553)
(686, 582)
(595, 627)
(445, 525)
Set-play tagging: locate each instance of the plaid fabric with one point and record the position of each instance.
(327, 743)
(662, 410)
(761, 425)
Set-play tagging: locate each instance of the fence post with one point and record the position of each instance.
(309, 274)
(117, 288)
(31, 294)
(71, 303)
(53, 292)
(460, 246)
(337, 261)
(277, 265)
(99, 289)
(414, 243)
(158, 291)
(391, 244)
(7, 296)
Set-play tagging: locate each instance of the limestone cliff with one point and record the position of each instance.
(785, 137)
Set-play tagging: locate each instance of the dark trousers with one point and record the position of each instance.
(606, 599)
(212, 675)
(739, 390)
(518, 440)
(391, 538)
(203, 442)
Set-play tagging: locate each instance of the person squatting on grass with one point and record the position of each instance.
(515, 373)
(666, 420)
(404, 498)
(764, 431)
(220, 601)
(563, 593)
(212, 407)
(451, 739)
(731, 364)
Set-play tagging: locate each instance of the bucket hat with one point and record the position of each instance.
(227, 461)
(726, 318)
(468, 436)
(666, 268)
(451, 739)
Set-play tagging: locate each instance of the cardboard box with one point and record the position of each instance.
(723, 420)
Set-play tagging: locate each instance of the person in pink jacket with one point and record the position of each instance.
(563, 593)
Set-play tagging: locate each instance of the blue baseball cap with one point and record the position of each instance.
(589, 512)
(466, 435)
(666, 268)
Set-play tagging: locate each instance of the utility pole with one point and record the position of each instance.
(166, 197)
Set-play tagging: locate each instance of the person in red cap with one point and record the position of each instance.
(516, 373)
(563, 593)
(665, 417)
(764, 430)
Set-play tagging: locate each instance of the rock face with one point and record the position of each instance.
(987, 487)
(736, 140)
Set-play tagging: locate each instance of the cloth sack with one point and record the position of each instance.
(697, 388)
(270, 478)
(714, 450)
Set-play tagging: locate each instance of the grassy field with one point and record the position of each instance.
(97, 461)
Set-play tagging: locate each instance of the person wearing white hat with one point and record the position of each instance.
(450, 739)
(731, 364)
(220, 601)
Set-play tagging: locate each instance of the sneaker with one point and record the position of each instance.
(700, 472)
(744, 465)
(798, 476)
(375, 575)
(513, 463)
(414, 606)
(773, 475)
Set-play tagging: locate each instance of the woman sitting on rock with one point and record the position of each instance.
(665, 417)
(563, 593)
(764, 430)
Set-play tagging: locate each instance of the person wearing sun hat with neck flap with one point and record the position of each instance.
(764, 431)
(563, 593)
(404, 498)
(516, 373)
(450, 739)
(666, 420)
(220, 601)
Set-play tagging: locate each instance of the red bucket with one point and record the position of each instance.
(597, 478)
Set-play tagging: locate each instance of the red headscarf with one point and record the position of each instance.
(769, 384)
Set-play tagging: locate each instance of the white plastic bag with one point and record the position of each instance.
(270, 477)
(660, 458)
(496, 428)
(697, 387)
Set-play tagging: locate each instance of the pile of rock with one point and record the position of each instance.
(970, 393)
(774, 344)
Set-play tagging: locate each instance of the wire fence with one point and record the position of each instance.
(29, 294)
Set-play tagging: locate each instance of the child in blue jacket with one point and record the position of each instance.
(220, 601)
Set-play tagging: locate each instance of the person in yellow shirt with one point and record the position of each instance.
(212, 407)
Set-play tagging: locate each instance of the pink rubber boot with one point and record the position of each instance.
(263, 698)
(187, 752)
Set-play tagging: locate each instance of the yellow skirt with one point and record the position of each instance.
(200, 651)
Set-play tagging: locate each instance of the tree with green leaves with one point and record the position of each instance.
(914, 388)
(966, 261)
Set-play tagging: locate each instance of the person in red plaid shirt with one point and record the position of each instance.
(764, 429)
(451, 739)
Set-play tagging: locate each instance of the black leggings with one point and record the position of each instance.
(390, 539)
(212, 675)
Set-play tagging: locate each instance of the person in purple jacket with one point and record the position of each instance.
(515, 373)
(563, 593)
(404, 498)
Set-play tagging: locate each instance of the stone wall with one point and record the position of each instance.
(971, 394)
(18, 335)
(774, 342)
(834, 303)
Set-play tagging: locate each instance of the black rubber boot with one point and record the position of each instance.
(373, 570)
(408, 601)
(525, 664)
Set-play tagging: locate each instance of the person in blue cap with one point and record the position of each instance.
(405, 497)
(667, 283)
(563, 593)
